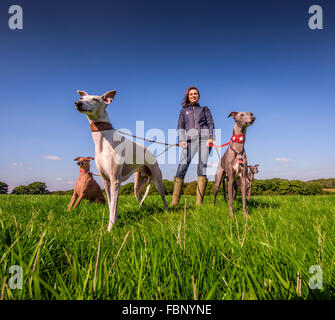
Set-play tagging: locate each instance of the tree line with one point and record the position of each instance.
(275, 186)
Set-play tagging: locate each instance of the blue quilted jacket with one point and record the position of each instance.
(194, 121)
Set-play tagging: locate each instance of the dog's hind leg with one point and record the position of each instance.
(235, 185)
(218, 180)
(140, 180)
(156, 177)
(146, 192)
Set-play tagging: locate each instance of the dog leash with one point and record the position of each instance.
(239, 138)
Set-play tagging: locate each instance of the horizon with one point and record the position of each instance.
(259, 57)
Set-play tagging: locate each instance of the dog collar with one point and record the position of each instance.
(100, 126)
(88, 172)
(239, 138)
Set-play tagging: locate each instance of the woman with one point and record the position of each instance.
(195, 134)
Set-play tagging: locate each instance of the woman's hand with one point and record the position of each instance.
(210, 142)
(183, 144)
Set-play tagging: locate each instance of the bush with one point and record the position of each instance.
(20, 190)
(62, 193)
(33, 188)
(3, 188)
(37, 188)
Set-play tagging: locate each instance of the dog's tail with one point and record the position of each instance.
(146, 192)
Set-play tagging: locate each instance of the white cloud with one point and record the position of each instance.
(51, 157)
(16, 164)
(283, 159)
(70, 182)
(59, 179)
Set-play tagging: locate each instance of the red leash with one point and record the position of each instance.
(220, 146)
(239, 138)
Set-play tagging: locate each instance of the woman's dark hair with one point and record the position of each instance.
(186, 101)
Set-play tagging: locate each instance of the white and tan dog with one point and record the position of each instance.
(116, 157)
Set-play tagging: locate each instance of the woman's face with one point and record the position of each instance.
(193, 96)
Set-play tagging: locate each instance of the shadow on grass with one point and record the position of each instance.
(327, 294)
(131, 212)
(256, 203)
(251, 204)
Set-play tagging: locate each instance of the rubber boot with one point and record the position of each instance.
(201, 187)
(177, 188)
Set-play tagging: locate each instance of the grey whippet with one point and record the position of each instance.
(116, 157)
(234, 163)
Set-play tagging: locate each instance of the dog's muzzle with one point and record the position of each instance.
(79, 106)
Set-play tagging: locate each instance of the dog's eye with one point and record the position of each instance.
(95, 100)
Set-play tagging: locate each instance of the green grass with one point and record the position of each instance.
(153, 254)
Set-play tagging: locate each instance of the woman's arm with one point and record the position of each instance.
(181, 127)
(210, 123)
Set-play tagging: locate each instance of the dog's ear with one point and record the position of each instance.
(232, 114)
(256, 165)
(77, 159)
(90, 158)
(82, 93)
(108, 96)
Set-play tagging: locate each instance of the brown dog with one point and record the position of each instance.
(86, 187)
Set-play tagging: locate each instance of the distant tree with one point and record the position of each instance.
(127, 189)
(37, 188)
(191, 188)
(313, 188)
(3, 188)
(168, 186)
(20, 190)
(297, 187)
(284, 187)
(62, 192)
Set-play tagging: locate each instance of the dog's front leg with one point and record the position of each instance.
(230, 195)
(113, 203)
(78, 201)
(73, 199)
(243, 192)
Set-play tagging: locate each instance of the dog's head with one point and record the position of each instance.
(243, 119)
(94, 106)
(254, 169)
(84, 162)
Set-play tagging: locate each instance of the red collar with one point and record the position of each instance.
(88, 172)
(239, 138)
(100, 126)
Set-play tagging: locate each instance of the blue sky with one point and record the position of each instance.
(257, 56)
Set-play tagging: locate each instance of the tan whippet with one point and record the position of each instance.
(86, 187)
(116, 157)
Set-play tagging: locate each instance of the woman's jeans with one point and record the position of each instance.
(193, 146)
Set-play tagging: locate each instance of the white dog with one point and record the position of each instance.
(116, 157)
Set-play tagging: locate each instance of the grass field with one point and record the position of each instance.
(197, 253)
